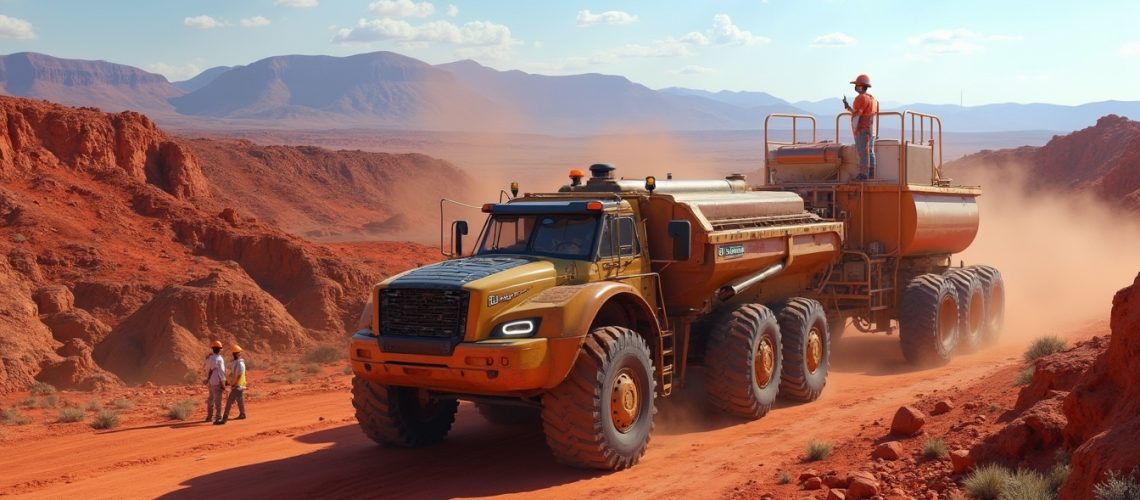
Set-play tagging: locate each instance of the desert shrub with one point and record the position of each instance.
(325, 354)
(1044, 346)
(107, 419)
(71, 415)
(94, 404)
(784, 478)
(12, 416)
(312, 368)
(1057, 475)
(1024, 377)
(41, 389)
(987, 482)
(122, 404)
(935, 449)
(347, 370)
(180, 410)
(818, 450)
(49, 401)
(293, 377)
(19, 238)
(30, 402)
(1027, 485)
(1117, 486)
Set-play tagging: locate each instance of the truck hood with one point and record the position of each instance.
(455, 274)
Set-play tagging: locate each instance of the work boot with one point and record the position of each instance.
(209, 418)
(240, 417)
(220, 421)
(861, 177)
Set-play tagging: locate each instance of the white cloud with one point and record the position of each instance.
(296, 3)
(474, 34)
(174, 72)
(833, 40)
(202, 22)
(452, 11)
(658, 48)
(694, 69)
(255, 21)
(586, 18)
(956, 41)
(1130, 49)
(12, 27)
(724, 32)
(401, 8)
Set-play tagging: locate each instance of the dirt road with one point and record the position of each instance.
(308, 445)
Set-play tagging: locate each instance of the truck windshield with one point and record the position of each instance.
(565, 236)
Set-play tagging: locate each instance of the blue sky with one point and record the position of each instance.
(937, 52)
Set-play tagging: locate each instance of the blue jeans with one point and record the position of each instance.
(865, 146)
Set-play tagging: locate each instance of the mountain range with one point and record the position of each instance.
(385, 90)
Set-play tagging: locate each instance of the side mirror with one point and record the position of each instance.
(459, 228)
(682, 234)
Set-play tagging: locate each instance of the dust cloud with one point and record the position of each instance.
(1062, 254)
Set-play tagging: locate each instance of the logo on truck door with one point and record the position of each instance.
(730, 251)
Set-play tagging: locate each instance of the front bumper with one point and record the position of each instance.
(488, 367)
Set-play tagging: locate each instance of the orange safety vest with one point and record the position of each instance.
(863, 112)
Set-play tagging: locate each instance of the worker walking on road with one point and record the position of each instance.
(863, 124)
(236, 380)
(215, 381)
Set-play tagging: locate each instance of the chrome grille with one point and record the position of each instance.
(430, 313)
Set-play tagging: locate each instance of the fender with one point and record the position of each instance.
(578, 306)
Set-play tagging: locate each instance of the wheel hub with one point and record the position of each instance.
(813, 351)
(765, 362)
(625, 402)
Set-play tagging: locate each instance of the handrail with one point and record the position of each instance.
(794, 117)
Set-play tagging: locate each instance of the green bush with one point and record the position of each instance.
(12, 416)
(107, 419)
(71, 415)
(986, 482)
(41, 389)
(325, 354)
(180, 410)
(1058, 474)
(94, 404)
(784, 478)
(1024, 377)
(312, 368)
(293, 377)
(1044, 346)
(1117, 486)
(30, 402)
(1027, 485)
(818, 450)
(935, 449)
(122, 404)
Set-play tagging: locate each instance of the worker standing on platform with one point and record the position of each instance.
(863, 114)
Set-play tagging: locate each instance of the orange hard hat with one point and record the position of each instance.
(235, 349)
(216, 343)
(863, 80)
(576, 173)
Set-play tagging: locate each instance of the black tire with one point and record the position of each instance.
(971, 307)
(928, 320)
(993, 287)
(579, 416)
(806, 339)
(731, 378)
(509, 414)
(395, 416)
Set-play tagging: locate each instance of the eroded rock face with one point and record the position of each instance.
(165, 340)
(1060, 371)
(1104, 409)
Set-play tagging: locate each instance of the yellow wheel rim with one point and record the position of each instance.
(625, 402)
(765, 362)
(813, 350)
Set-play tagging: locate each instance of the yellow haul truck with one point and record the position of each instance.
(580, 307)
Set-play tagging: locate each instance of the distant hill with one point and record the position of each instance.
(201, 79)
(743, 99)
(381, 89)
(112, 87)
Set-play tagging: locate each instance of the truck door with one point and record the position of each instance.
(620, 254)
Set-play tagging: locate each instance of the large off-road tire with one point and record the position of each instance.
(509, 414)
(928, 320)
(971, 307)
(396, 416)
(993, 287)
(744, 361)
(807, 349)
(601, 415)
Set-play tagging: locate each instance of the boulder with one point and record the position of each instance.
(908, 420)
(890, 450)
(53, 299)
(942, 407)
(960, 461)
(813, 483)
(836, 494)
(861, 488)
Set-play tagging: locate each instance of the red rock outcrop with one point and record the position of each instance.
(1104, 409)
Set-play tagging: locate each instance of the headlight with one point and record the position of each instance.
(518, 328)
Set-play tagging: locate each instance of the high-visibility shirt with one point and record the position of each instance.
(863, 112)
(215, 369)
(236, 377)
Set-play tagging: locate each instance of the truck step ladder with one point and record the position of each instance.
(667, 361)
